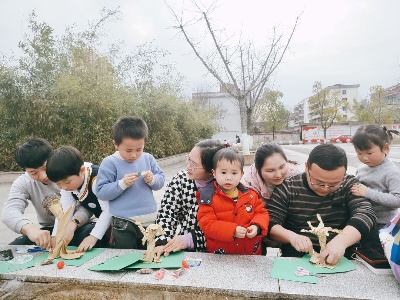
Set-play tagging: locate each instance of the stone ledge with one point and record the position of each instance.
(218, 277)
(9, 177)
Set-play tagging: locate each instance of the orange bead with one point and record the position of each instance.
(60, 264)
(185, 264)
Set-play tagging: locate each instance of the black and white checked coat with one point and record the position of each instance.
(179, 207)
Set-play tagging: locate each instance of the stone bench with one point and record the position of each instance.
(218, 277)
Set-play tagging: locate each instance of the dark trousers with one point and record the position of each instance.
(79, 235)
(373, 241)
(125, 234)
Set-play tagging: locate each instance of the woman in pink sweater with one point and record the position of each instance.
(270, 168)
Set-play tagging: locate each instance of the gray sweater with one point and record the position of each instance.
(383, 182)
(24, 190)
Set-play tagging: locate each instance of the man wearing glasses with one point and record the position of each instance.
(324, 188)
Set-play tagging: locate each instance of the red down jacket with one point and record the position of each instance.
(218, 216)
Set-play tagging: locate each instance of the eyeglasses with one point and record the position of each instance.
(323, 185)
(191, 165)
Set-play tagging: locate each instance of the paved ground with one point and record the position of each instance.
(297, 153)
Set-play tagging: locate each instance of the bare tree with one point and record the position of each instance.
(241, 70)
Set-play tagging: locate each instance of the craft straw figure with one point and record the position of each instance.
(321, 232)
(149, 235)
(53, 204)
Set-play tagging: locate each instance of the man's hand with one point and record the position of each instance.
(174, 245)
(240, 232)
(87, 244)
(40, 237)
(252, 231)
(336, 248)
(359, 190)
(301, 243)
(333, 252)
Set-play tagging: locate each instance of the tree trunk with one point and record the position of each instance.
(273, 133)
(243, 115)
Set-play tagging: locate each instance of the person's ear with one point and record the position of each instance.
(115, 144)
(386, 148)
(213, 172)
(306, 167)
(82, 170)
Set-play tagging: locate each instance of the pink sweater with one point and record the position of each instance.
(252, 180)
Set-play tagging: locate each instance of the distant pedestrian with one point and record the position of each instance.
(237, 139)
(226, 143)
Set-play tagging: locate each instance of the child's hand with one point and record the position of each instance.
(252, 231)
(87, 243)
(240, 232)
(130, 179)
(148, 177)
(359, 190)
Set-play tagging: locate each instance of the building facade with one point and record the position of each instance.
(304, 113)
(229, 114)
(392, 95)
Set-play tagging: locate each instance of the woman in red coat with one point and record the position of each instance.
(232, 217)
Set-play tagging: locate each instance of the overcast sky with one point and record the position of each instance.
(341, 41)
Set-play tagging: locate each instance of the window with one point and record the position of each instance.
(344, 92)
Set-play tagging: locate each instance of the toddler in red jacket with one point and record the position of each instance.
(231, 216)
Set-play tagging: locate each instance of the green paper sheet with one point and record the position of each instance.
(132, 261)
(117, 262)
(6, 267)
(285, 269)
(81, 260)
(345, 265)
(172, 261)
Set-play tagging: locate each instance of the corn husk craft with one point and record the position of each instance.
(321, 232)
(149, 236)
(60, 250)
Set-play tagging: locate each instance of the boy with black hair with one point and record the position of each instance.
(76, 179)
(127, 180)
(33, 186)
